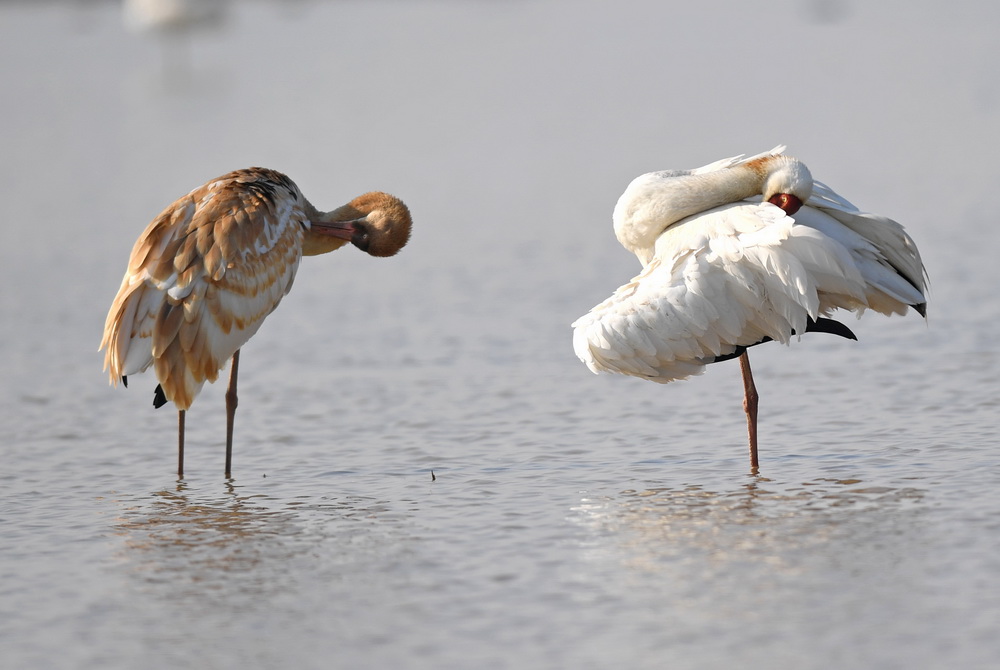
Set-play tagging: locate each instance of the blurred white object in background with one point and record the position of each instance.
(173, 16)
(173, 21)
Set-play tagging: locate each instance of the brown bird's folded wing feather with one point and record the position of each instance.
(201, 279)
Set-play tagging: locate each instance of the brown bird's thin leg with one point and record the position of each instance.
(750, 407)
(180, 443)
(231, 402)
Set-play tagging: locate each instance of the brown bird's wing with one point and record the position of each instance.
(201, 279)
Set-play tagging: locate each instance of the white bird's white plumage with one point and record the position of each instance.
(724, 269)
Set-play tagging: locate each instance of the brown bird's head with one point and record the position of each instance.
(377, 223)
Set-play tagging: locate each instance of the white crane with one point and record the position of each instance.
(736, 253)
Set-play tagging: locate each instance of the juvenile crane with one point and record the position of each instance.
(736, 253)
(207, 271)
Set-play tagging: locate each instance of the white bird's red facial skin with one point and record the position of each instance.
(786, 201)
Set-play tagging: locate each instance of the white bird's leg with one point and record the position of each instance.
(180, 443)
(231, 402)
(750, 398)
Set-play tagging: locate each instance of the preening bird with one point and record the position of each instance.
(207, 271)
(736, 253)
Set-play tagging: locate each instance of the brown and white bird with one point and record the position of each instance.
(207, 271)
(736, 253)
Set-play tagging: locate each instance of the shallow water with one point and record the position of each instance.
(425, 476)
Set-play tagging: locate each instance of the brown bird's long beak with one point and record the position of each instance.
(340, 229)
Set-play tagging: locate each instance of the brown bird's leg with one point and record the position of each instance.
(750, 407)
(180, 443)
(231, 402)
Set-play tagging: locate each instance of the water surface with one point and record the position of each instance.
(571, 520)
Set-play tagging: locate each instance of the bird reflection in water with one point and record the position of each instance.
(773, 524)
(193, 542)
(196, 543)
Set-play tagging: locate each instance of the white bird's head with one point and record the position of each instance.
(377, 223)
(788, 183)
(656, 201)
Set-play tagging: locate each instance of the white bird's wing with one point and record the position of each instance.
(883, 251)
(718, 281)
(201, 279)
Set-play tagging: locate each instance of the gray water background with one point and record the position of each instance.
(576, 521)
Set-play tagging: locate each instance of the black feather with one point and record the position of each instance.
(820, 325)
(159, 398)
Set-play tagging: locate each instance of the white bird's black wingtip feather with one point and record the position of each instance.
(820, 325)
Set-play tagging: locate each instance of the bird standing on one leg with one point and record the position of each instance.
(736, 253)
(207, 271)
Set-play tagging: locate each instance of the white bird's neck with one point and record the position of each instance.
(655, 201)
